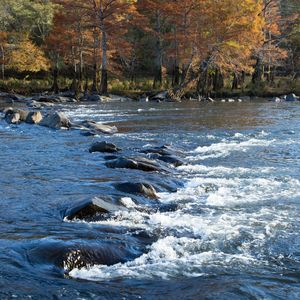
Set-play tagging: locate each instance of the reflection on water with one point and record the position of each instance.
(230, 231)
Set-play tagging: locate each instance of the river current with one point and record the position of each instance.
(232, 232)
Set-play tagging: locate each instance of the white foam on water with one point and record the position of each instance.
(225, 148)
(127, 202)
(221, 171)
(168, 258)
(227, 218)
(195, 245)
(234, 191)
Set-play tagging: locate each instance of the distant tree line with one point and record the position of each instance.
(184, 44)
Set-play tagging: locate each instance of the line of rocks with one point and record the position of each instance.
(103, 208)
(55, 120)
(286, 98)
(140, 163)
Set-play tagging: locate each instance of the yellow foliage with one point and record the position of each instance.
(28, 57)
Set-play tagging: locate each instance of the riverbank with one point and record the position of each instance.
(136, 90)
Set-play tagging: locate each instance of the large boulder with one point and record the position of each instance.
(102, 254)
(34, 117)
(139, 188)
(15, 116)
(291, 98)
(23, 114)
(92, 209)
(56, 120)
(104, 147)
(12, 117)
(139, 163)
(98, 128)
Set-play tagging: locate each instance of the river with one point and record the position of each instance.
(232, 232)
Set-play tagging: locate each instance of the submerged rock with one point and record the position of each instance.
(170, 159)
(93, 97)
(104, 147)
(277, 99)
(163, 150)
(140, 163)
(87, 257)
(39, 105)
(245, 98)
(98, 128)
(99, 208)
(139, 188)
(56, 120)
(165, 154)
(106, 253)
(55, 99)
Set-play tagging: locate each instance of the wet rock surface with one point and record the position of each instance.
(91, 209)
(139, 188)
(136, 163)
(95, 128)
(104, 147)
(56, 120)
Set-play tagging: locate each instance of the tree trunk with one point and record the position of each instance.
(55, 87)
(235, 82)
(2, 63)
(95, 79)
(103, 83)
(176, 77)
(74, 85)
(218, 81)
(80, 75)
(257, 76)
(176, 71)
(203, 83)
(157, 82)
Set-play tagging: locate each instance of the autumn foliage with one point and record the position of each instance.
(183, 44)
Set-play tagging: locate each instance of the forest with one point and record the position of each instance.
(205, 47)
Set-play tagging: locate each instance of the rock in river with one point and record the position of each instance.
(139, 188)
(170, 159)
(15, 116)
(99, 208)
(12, 117)
(34, 117)
(104, 147)
(98, 128)
(139, 163)
(292, 97)
(164, 153)
(56, 120)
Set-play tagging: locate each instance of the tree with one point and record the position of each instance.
(223, 38)
(113, 17)
(3, 46)
(28, 57)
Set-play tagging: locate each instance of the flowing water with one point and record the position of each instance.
(232, 231)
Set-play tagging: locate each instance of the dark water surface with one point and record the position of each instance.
(234, 233)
